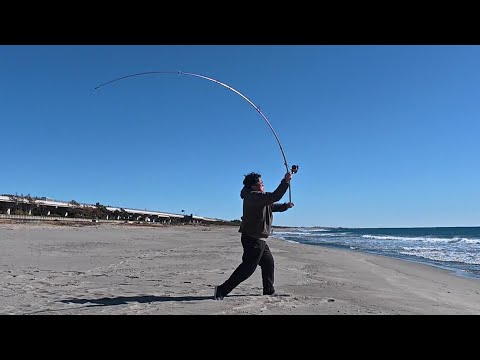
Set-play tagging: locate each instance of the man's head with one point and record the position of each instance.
(254, 182)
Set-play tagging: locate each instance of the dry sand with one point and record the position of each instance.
(126, 269)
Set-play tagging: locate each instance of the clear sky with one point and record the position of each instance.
(384, 136)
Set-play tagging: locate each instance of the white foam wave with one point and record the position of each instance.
(441, 255)
(422, 238)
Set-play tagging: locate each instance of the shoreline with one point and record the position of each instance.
(134, 269)
(455, 272)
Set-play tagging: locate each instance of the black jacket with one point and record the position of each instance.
(258, 210)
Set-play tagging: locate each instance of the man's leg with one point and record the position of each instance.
(267, 265)
(252, 253)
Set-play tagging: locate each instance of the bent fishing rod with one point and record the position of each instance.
(293, 169)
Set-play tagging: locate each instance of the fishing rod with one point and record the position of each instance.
(293, 169)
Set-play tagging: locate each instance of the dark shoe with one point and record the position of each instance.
(269, 292)
(217, 295)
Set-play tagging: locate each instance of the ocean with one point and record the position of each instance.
(453, 248)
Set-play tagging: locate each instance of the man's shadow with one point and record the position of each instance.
(123, 300)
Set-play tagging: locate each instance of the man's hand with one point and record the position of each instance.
(288, 177)
(290, 205)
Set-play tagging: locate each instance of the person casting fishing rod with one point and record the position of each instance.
(258, 207)
(255, 227)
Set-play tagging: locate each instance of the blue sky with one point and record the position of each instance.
(385, 136)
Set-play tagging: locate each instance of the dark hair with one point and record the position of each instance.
(251, 179)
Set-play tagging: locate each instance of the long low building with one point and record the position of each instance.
(26, 205)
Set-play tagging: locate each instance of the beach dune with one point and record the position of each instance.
(125, 269)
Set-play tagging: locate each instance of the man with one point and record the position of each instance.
(258, 208)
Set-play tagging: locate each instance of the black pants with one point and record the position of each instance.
(255, 252)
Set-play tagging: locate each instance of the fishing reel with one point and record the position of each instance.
(294, 169)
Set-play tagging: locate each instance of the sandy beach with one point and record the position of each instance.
(131, 269)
